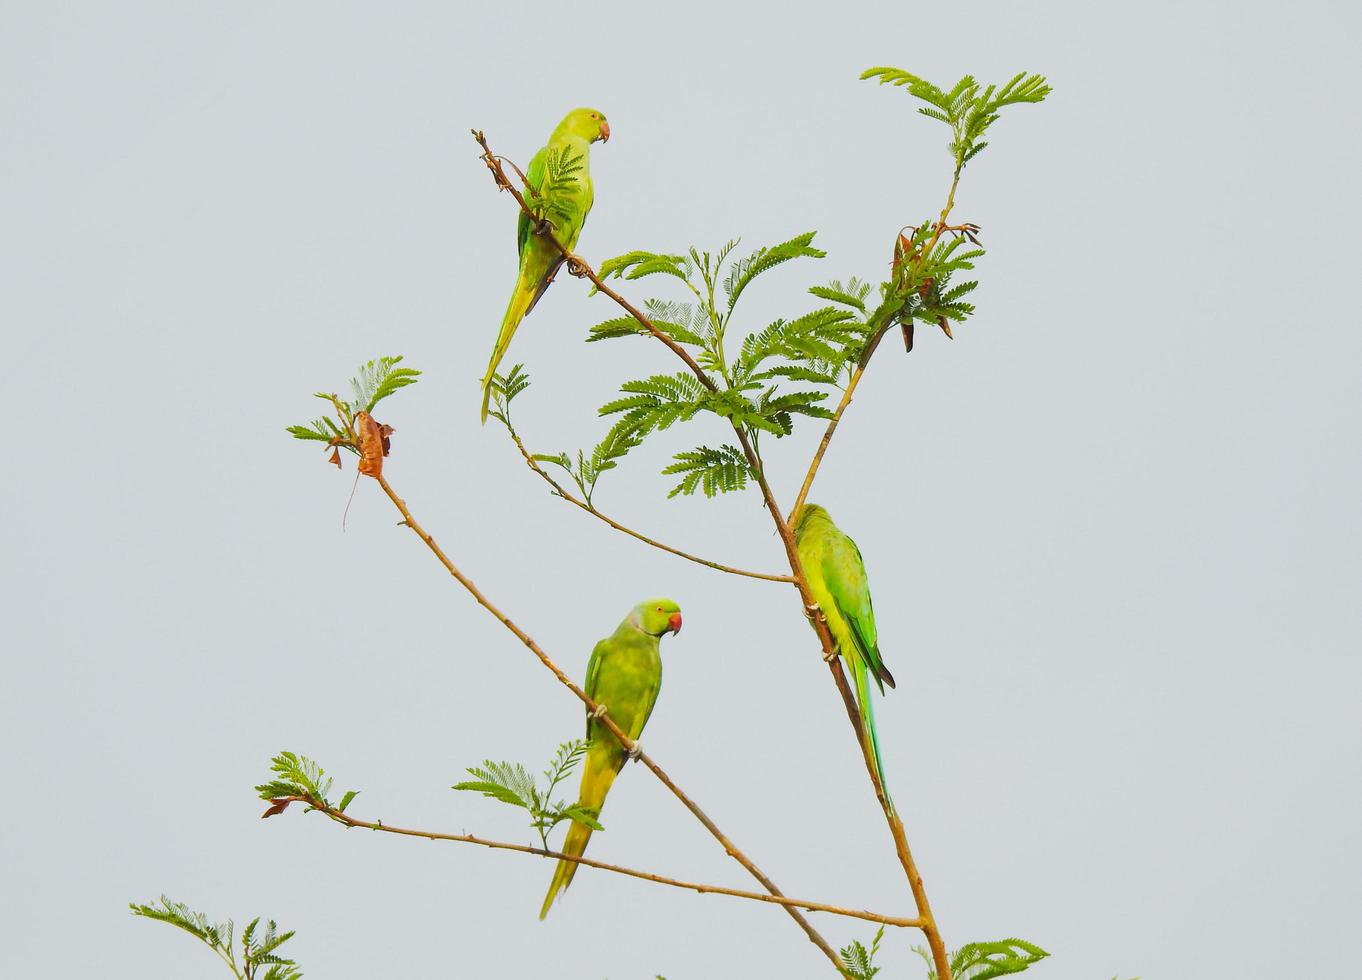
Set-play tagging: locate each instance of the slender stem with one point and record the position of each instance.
(561, 491)
(704, 889)
(784, 528)
(827, 438)
(602, 712)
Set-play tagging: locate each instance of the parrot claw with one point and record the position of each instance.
(829, 657)
(576, 267)
(635, 751)
(812, 610)
(600, 710)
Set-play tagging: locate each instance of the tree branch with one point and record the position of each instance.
(602, 712)
(580, 268)
(561, 491)
(349, 821)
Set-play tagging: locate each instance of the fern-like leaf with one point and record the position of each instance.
(742, 272)
(376, 380)
(859, 961)
(714, 471)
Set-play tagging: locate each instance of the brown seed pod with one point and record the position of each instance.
(374, 444)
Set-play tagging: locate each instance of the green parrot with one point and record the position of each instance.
(624, 675)
(539, 260)
(836, 576)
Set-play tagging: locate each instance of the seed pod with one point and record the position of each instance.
(374, 444)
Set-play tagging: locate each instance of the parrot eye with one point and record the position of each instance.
(659, 608)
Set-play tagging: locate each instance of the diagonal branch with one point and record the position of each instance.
(864, 361)
(561, 491)
(784, 528)
(798, 903)
(602, 712)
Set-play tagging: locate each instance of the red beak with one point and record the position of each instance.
(605, 131)
(674, 621)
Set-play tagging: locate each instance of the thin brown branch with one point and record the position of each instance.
(602, 712)
(864, 361)
(703, 889)
(563, 492)
(784, 528)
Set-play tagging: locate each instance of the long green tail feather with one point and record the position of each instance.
(597, 776)
(521, 301)
(574, 844)
(864, 699)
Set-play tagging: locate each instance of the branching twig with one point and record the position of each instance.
(869, 352)
(581, 268)
(601, 712)
(561, 491)
(349, 821)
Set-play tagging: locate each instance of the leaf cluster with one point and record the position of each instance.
(751, 391)
(922, 286)
(260, 959)
(298, 776)
(858, 961)
(512, 784)
(586, 468)
(968, 109)
(504, 389)
(985, 961)
(373, 382)
(563, 169)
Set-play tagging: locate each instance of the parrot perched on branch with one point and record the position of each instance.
(624, 676)
(566, 202)
(836, 576)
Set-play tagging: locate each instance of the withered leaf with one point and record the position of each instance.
(276, 807)
(335, 457)
(374, 444)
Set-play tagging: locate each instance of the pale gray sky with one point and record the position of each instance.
(1113, 529)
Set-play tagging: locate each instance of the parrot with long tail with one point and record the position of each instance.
(624, 675)
(836, 576)
(567, 202)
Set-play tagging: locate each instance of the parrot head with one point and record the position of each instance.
(587, 124)
(657, 616)
(807, 515)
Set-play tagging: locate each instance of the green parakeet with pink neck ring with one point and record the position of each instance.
(624, 675)
(567, 202)
(836, 576)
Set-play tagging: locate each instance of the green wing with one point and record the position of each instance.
(653, 689)
(535, 176)
(593, 675)
(844, 573)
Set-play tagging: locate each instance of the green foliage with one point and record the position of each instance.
(985, 961)
(967, 109)
(322, 430)
(260, 959)
(563, 170)
(512, 784)
(373, 382)
(749, 392)
(743, 271)
(378, 379)
(586, 468)
(298, 776)
(859, 961)
(721, 470)
(922, 287)
(504, 389)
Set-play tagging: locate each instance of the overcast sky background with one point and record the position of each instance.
(1112, 529)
